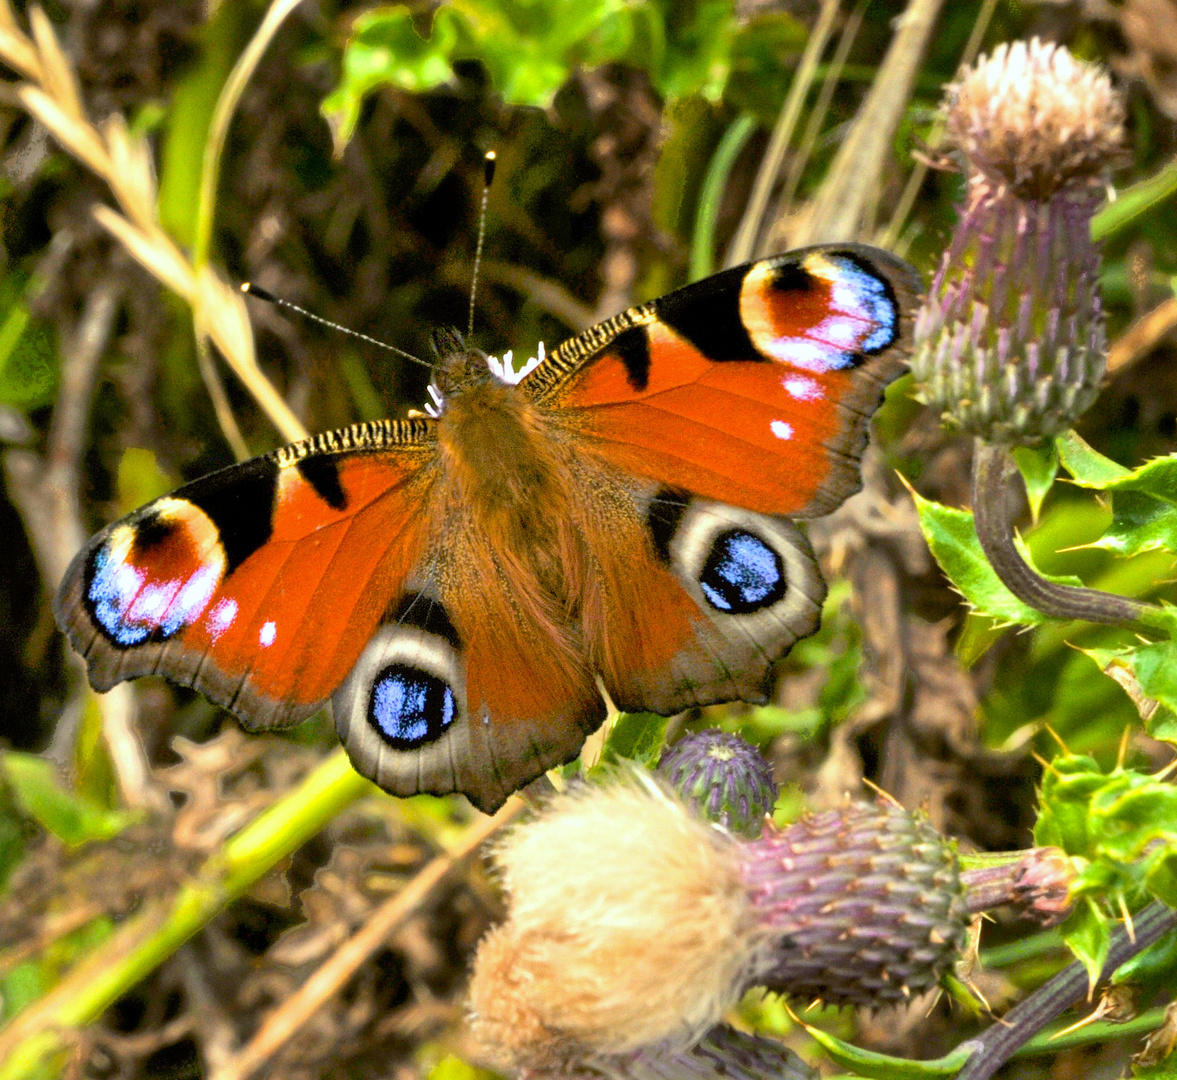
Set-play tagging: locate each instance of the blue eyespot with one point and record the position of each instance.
(410, 707)
(130, 605)
(862, 292)
(742, 574)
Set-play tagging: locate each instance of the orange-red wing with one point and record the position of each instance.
(260, 584)
(752, 387)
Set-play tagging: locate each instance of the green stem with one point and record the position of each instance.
(714, 185)
(218, 129)
(1100, 1031)
(143, 942)
(1134, 201)
(994, 470)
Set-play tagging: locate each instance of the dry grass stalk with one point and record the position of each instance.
(124, 161)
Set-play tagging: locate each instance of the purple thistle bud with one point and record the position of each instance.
(864, 905)
(725, 777)
(1011, 343)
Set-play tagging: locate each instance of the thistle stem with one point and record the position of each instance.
(994, 470)
(997, 1044)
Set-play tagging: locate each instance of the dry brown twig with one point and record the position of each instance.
(123, 159)
(287, 1019)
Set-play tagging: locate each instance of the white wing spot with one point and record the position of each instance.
(802, 388)
(781, 430)
(268, 632)
(221, 617)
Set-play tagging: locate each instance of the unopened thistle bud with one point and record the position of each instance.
(725, 777)
(1010, 344)
(865, 905)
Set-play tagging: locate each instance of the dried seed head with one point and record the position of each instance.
(725, 777)
(1035, 118)
(628, 927)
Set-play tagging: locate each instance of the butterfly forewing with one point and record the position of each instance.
(753, 387)
(260, 584)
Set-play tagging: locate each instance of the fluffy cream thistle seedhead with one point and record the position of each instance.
(629, 927)
(1034, 117)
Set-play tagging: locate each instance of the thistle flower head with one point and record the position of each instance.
(632, 925)
(726, 778)
(1035, 118)
(1010, 344)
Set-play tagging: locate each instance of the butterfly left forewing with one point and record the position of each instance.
(258, 585)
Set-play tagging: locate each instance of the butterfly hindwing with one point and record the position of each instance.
(459, 691)
(753, 387)
(260, 584)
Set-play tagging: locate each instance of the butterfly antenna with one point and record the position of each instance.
(488, 175)
(250, 289)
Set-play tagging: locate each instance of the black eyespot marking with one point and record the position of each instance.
(742, 574)
(153, 529)
(240, 503)
(410, 707)
(322, 473)
(707, 314)
(426, 614)
(663, 517)
(634, 349)
(792, 277)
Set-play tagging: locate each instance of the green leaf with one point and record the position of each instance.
(452, 1067)
(1148, 674)
(1039, 467)
(71, 819)
(528, 49)
(952, 538)
(1144, 503)
(1139, 523)
(28, 360)
(635, 737)
(1088, 467)
(883, 1067)
(1068, 786)
(1087, 935)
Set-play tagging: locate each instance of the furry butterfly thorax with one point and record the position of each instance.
(459, 582)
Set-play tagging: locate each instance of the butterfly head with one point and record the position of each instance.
(461, 368)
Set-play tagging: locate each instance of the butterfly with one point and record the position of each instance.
(459, 583)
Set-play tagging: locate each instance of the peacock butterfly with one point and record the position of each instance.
(457, 582)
